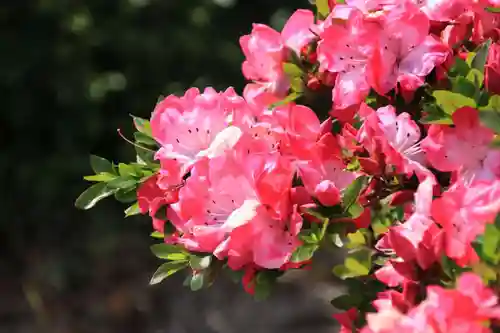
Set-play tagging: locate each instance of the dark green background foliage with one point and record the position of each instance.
(71, 72)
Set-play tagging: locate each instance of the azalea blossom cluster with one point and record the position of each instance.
(403, 158)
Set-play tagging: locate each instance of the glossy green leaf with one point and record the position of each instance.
(157, 234)
(200, 262)
(479, 60)
(170, 252)
(304, 252)
(93, 195)
(450, 101)
(198, 281)
(101, 165)
(101, 177)
(491, 243)
(166, 270)
(292, 70)
(126, 170)
(476, 78)
(126, 196)
(490, 119)
(322, 8)
(355, 210)
(351, 193)
(142, 125)
(132, 210)
(122, 183)
(493, 9)
(143, 139)
(356, 239)
(459, 68)
(464, 86)
(359, 262)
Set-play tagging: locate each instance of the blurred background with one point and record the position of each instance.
(71, 72)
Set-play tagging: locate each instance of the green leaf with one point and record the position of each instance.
(126, 170)
(491, 243)
(450, 102)
(359, 262)
(355, 210)
(200, 263)
(142, 138)
(292, 70)
(101, 165)
(443, 119)
(126, 196)
(351, 193)
(479, 60)
(132, 210)
(304, 252)
(493, 9)
(459, 68)
(322, 8)
(166, 270)
(464, 86)
(297, 85)
(490, 119)
(93, 195)
(198, 281)
(490, 114)
(142, 125)
(476, 77)
(101, 177)
(170, 252)
(356, 239)
(487, 273)
(157, 234)
(122, 183)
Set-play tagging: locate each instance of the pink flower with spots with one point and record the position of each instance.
(406, 53)
(398, 137)
(266, 50)
(234, 195)
(464, 148)
(324, 175)
(345, 48)
(463, 212)
(191, 128)
(464, 309)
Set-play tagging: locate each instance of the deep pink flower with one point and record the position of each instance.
(345, 49)
(463, 211)
(191, 128)
(266, 50)
(324, 175)
(463, 148)
(405, 53)
(492, 70)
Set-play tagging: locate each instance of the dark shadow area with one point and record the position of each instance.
(71, 72)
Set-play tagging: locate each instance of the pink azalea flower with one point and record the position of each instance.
(245, 223)
(191, 128)
(413, 239)
(266, 50)
(345, 49)
(465, 309)
(324, 176)
(463, 148)
(398, 137)
(406, 53)
(463, 211)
